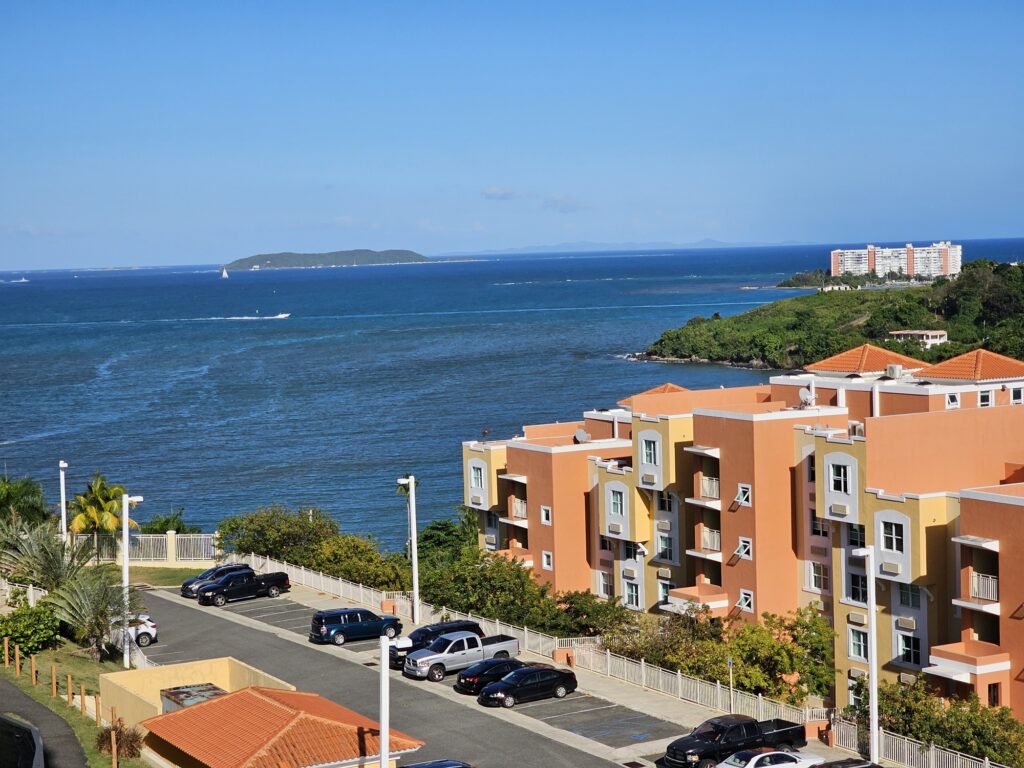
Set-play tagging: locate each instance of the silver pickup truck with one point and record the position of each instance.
(457, 650)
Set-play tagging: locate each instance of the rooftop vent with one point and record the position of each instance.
(894, 370)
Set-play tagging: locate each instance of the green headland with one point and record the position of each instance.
(289, 260)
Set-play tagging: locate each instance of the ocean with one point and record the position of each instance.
(193, 392)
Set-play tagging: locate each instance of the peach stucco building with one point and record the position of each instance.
(749, 500)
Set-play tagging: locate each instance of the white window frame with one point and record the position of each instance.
(990, 395)
(819, 525)
(839, 475)
(903, 644)
(547, 561)
(892, 532)
(545, 515)
(863, 643)
(631, 594)
(664, 587)
(617, 499)
(849, 592)
(605, 584)
(745, 548)
(910, 596)
(650, 451)
(476, 478)
(630, 545)
(663, 501)
(671, 549)
(1017, 396)
(952, 401)
(861, 534)
(746, 601)
(820, 578)
(744, 494)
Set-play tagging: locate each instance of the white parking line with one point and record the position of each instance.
(256, 615)
(548, 701)
(577, 712)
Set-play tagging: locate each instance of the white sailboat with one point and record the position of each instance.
(224, 273)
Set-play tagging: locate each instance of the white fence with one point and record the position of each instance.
(904, 751)
(196, 546)
(32, 593)
(154, 547)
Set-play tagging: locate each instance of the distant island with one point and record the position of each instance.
(983, 307)
(352, 258)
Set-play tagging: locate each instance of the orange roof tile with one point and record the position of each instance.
(661, 389)
(978, 365)
(867, 358)
(267, 728)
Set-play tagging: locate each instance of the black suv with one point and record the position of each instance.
(191, 587)
(424, 636)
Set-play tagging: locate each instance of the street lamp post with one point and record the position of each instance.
(63, 465)
(410, 482)
(868, 553)
(126, 502)
(385, 704)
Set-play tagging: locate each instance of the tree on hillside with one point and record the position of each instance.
(22, 499)
(445, 538)
(173, 521)
(278, 532)
(98, 510)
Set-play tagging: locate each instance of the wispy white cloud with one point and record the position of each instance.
(498, 193)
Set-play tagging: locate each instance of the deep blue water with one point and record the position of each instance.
(152, 377)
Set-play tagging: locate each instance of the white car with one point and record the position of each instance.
(752, 758)
(142, 629)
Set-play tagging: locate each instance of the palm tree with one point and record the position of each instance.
(22, 499)
(92, 604)
(44, 558)
(98, 509)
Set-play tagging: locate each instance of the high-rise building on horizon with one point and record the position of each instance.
(942, 258)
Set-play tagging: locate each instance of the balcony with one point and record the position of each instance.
(516, 555)
(984, 594)
(965, 661)
(710, 494)
(518, 516)
(711, 595)
(710, 545)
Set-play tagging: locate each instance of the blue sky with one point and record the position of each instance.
(145, 133)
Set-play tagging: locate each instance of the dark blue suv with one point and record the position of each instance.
(346, 624)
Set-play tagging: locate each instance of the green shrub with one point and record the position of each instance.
(34, 629)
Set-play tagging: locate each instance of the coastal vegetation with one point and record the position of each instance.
(22, 499)
(289, 260)
(983, 307)
(819, 278)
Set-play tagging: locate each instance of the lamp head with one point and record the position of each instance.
(403, 481)
(861, 551)
(134, 499)
(63, 464)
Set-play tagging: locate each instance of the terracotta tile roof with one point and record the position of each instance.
(867, 358)
(979, 365)
(267, 728)
(661, 389)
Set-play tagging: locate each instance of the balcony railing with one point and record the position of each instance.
(711, 540)
(709, 488)
(519, 509)
(984, 587)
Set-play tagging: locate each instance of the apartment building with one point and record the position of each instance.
(942, 258)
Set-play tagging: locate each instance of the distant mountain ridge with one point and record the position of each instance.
(289, 260)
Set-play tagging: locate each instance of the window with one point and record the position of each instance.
(892, 537)
(665, 547)
(985, 398)
(604, 583)
(545, 515)
(629, 550)
(606, 543)
(547, 561)
(457, 646)
(840, 474)
(854, 697)
(1016, 398)
(855, 535)
(858, 644)
(811, 473)
(909, 648)
(632, 594)
(952, 400)
(820, 577)
(651, 452)
(858, 591)
(476, 477)
(993, 694)
(745, 548)
(743, 494)
(492, 520)
(746, 601)
(819, 527)
(618, 504)
(910, 596)
(664, 501)
(663, 589)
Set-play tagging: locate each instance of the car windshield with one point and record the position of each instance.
(516, 675)
(479, 669)
(707, 732)
(419, 635)
(440, 645)
(207, 573)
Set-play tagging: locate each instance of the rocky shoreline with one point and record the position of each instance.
(646, 357)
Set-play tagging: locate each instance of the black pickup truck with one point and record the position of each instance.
(239, 586)
(716, 739)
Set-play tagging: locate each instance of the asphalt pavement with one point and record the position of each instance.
(60, 746)
(452, 726)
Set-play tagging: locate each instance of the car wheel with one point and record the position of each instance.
(501, 655)
(143, 640)
(390, 631)
(785, 747)
(219, 600)
(436, 674)
(338, 639)
(274, 591)
(560, 692)
(508, 702)
(707, 764)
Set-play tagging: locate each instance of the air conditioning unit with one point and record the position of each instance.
(614, 528)
(629, 573)
(819, 551)
(476, 500)
(906, 623)
(856, 429)
(858, 673)
(664, 525)
(891, 569)
(839, 510)
(857, 618)
(490, 539)
(907, 679)
(605, 563)
(648, 479)
(894, 370)
(664, 573)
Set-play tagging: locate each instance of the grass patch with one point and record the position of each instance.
(161, 577)
(69, 658)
